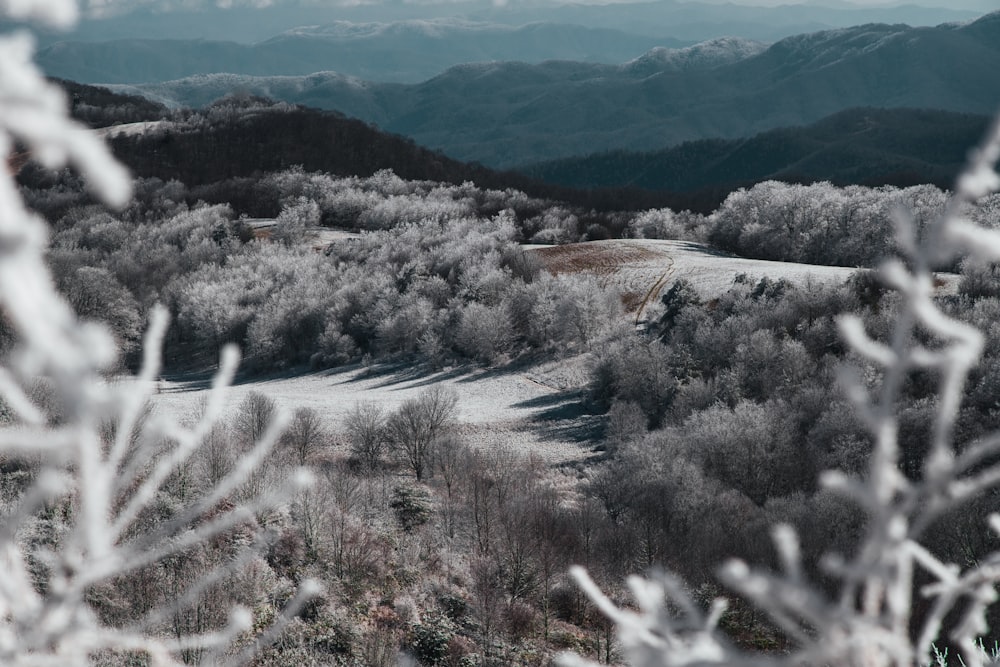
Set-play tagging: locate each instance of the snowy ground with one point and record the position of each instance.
(133, 129)
(535, 410)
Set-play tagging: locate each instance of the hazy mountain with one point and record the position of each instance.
(857, 146)
(506, 114)
(703, 20)
(408, 51)
(233, 142)
(688, 21)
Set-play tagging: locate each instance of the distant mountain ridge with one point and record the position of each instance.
(706, 55)
(857, 146)
(236, 140)
(688, 20)
(507, 114)
(244, 137)
(408, 51)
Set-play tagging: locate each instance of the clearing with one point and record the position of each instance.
(535, 410)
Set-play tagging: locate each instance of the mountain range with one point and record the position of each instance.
(225, 148)
(509, 113)
(686, 20)
(406, 51)
(857, 146)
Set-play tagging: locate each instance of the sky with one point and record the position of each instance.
(979, 5)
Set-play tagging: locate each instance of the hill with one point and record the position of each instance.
(858, 146)
(505, 114)
(243, 137)
(226, 146)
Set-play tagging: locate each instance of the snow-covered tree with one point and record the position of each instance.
(871, 619)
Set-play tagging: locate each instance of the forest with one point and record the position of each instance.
(715, 418)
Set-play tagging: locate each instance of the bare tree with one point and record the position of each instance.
(365, 425)
(306, 435)
(418, 423)
(216, 454)
(256, 411)
(450, 462)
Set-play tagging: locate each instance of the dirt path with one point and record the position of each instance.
(654, 291)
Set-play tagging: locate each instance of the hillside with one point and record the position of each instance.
(859, 146)
(240, 138)
(503, 114)
(498, 409)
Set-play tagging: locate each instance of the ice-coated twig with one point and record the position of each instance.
(107, 485)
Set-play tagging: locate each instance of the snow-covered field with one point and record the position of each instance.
(534, 410)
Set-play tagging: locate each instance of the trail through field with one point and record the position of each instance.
(534, 410)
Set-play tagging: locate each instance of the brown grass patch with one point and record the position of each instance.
(597, 258)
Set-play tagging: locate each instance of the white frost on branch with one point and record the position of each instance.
(107, 485)
(868, 623)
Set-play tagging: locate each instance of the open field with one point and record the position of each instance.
(643, 268)
(536, 410)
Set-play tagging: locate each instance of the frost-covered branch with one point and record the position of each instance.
(107, 490)
(869, 621)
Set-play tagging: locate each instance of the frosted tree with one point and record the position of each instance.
(869, 621)
(105, 480)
